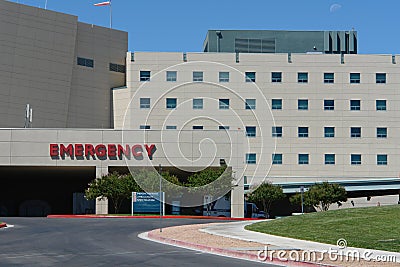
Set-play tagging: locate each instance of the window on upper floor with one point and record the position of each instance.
(145, 103)
(355, 159)
(223, 103)
(250, 77)
(381, 132)
(223, 77)
(250, 104)
(171, 103)
(302, 131)
(171, 76)
(355, 132)
(144, 127)
(250, 131)
(144, 75)
(197, 103)
(170, 127)
(302, 77)
(329, 132)
(276, 77)
(251, 158)
(197, 127)
(277, 131)
(380, 104)
(303, 159)
(302, 104)
(329, 104)
(329, 159)
(117, 68)
(381, 159)
(223, 127)
(197, 76)
(355, 78)
(329, 77)
(276, 104)
(86, 62)
(380, 78)
(355, 104)
(277, 159)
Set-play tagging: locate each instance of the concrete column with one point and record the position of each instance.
(101, 204)
(237, 200)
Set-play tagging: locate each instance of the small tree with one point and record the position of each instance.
(265, 195)
(113, 186)
(322, 195)
(211, 181)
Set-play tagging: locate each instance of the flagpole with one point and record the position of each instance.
(110, 15)
(45, 5)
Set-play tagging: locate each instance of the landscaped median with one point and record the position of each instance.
(370, 228)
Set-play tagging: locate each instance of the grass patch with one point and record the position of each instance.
(371, 228)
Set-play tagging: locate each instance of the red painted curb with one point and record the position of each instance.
(227, 252)
(2, 225)
(151, 217)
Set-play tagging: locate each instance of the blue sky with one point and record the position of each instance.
(178, 25)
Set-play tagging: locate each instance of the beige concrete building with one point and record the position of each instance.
(63, 68)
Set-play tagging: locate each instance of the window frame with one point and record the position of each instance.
(328, 161)
(223, 79)
(275, 106)
(301, 161)
(328, 79)
(302, 80)
(144, 105)
(381, 135)
(328, 134)
(329, 107)
(275, 160)
(355, 107)
(143, 77)
(382, 162)
(275, 133)
(356, 79)
(355, 132)
(198, 76)
(251, 133)
(380, 77)
(302, 132)
(300, 106)
(381, 107)
(354, 161)
(173, 78)
(250, 106)
(222, 104)
(168, 105)
(197, 127)
(277, 78)
(249, 79)
(251, 158)
(197, 106)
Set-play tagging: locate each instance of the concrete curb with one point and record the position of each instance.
(225, 252)
(2, 225)
(150, 217)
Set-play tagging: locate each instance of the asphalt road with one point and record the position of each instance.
(97, 242)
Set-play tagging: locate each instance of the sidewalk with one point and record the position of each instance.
(232, 240)
(236, 230)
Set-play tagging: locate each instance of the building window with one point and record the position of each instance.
(251, 158)
(224, 77)
(197, 76)
(250, 77)
(277, 131)
(329, 104)
(86, 62)
(198, 103)
(302, 131)
(381, 132)
(250, 104)
(329, 132)
(250, 131)
(302, 104)
(329, 159)
(222, 127)
(171, 76)
(144, 127)
(380, 104)
(355, 104)
(381, 78)
(355, 132)
(303, 159)
(145, 75)
(302, 77)
(145, 103)
(381, 159)
(224, 104)
(355, 159)
(171, 103)
(277, 159)
(197, 127)
(329, 77)
(170, 127)
(276, 104)
(117, 68)
(355, 78)
(276, 77)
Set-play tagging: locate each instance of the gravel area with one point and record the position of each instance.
(191, 234)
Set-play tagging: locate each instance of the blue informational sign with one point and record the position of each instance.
(143, 202)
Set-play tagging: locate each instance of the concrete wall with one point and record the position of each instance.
(38, 59)
(290, 118)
